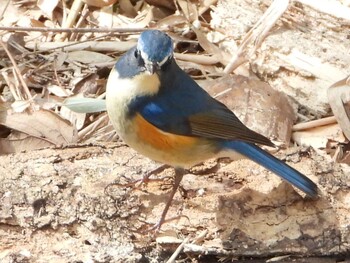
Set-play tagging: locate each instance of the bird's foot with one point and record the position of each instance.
(137, 184)
(179, 173)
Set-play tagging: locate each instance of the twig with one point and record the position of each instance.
(84, 14)
(113, 46)
(5, 8)
(74, 12)
(105, 46)
(18, 72)
(258, 33)
(313, 124)
(178, 250)
(72, 30)
(199, 59)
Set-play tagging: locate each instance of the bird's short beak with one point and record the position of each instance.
(152, 67)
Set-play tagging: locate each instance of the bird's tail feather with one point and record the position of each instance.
(275, 165)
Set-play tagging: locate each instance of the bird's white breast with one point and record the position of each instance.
(119, 94)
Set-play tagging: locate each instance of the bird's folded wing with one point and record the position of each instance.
(214, 123)
(224, 125)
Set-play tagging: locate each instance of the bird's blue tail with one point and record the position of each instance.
(275, 165)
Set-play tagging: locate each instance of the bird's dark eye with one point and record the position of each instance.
(139, 58)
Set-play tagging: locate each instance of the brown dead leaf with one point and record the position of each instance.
(15, 44)
(47, 6)
(88, 57)
(143, 19)
(97, 130)
(42, 124)
(339, 100)
(320, 137)
(127, 8)
(99, 3)
(169, 4)
(171, 21)
(37, 23)
(10, 13)
(189, 9)
(86, 85)
(19, 141)
(59, 91)
(260, 107)
(211, 48)
(345, 158)
(77, 119)
(20, 105)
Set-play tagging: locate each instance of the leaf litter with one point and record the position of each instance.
(43, 70)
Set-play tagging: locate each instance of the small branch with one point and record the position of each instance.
(257, 34)
(112, 46)
(178, 250)
(101, 46)
(18, 72)
(4, 10)
(199, 59)
(73, 14)
(72, 30)
(313, 124)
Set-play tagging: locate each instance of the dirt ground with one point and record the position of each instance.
(62, 205)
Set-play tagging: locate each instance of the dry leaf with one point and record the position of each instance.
(86, 85)
(20, 105)
(211, 48)
(42, 124)
(88, 57)
(77, 119)
(99, 3)
(96, 128)
(19, 141)
(260, 107)
(189, 9)
(47, 6)
(339, 100)
(319, 137)
(143, 19)
(105, 16)
(59, 91)
(169, 4)
(171, 21)
(127, 8)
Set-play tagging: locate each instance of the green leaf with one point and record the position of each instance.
(85, 105)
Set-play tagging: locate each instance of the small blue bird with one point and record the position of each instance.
(161, 112)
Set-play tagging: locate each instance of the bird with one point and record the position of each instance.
(162, 113)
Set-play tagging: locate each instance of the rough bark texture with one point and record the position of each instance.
(61, 206)
(303, 54)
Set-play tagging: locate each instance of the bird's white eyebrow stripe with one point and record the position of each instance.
(144, 55)
(164, 60)
(147, 61)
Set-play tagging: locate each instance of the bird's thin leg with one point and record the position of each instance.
(179, 173)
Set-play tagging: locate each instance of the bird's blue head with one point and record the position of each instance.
(155, 48)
